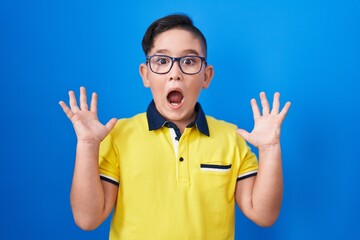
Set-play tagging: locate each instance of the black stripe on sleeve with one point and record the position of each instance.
(109, 180)
(247, 176)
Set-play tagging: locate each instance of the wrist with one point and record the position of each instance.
(85, 144)
(87, 152)
(88, 141)
(269, 147)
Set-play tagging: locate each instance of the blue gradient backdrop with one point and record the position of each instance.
(307, 50)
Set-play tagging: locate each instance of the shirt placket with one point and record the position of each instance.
(183, 159)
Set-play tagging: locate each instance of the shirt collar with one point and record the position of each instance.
(156, 121)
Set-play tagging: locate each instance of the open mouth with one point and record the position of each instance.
(175, 98)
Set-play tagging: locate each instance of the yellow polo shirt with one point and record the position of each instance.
(172, 186)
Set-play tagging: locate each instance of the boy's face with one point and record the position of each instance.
(176, 93)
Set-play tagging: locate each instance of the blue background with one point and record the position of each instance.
(307, 50)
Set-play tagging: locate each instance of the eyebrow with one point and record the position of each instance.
(187, 51)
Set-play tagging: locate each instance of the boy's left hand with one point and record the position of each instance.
(267, 126)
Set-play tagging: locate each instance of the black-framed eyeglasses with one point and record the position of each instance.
(162, 64)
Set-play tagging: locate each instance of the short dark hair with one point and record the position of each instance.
(180, 21)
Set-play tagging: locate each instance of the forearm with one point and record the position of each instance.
(87, 193)
(268, 187)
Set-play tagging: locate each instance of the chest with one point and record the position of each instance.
(195, 160)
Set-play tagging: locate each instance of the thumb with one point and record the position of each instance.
(111, 123)
(245, 134)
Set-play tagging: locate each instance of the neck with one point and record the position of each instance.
(185, 122)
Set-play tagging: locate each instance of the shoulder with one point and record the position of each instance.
(124, 130)
(138, 121)
(226, 131)
(216, 125)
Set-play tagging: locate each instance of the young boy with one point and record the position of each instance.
(173, 172)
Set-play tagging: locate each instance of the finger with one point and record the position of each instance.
(72, 101)
(264, 104)
(66, 109)
(83, 100)
(255, 108)
(245, 134)
(93, 103)
(285, 109)
(276, 104)
(111, 123)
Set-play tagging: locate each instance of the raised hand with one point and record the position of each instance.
(85, 121)
(267, 126)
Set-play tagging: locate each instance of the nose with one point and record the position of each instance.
(175, 72)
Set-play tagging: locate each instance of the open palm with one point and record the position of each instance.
(87, 126)
(267, 124)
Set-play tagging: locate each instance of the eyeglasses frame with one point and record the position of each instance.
(176, 59)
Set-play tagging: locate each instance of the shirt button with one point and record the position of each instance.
(181, 159)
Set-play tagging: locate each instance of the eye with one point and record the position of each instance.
(189, 61)
(161, 60)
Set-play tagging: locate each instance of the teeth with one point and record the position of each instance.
(174, 104)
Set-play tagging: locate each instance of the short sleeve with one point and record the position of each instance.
(248, 161)
(108, 161)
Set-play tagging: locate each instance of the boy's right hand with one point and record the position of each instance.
(87, 126)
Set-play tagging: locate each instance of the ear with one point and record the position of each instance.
(209, 74)
(143, 70)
